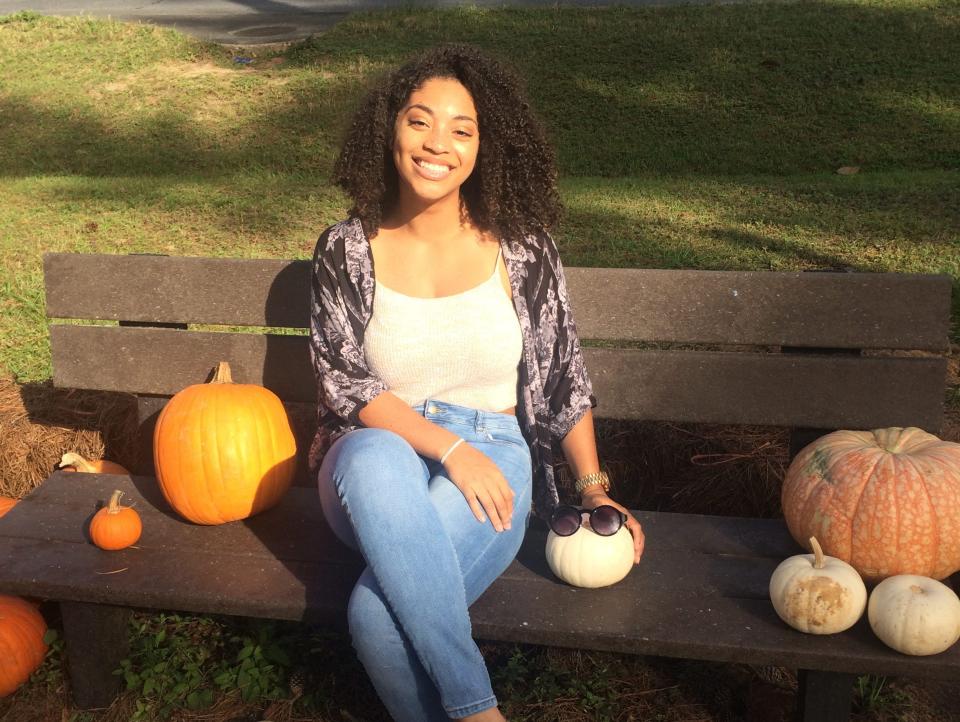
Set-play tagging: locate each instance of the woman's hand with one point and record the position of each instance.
(593, 499)
(482, 484)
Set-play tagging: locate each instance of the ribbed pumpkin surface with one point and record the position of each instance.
(21, 642)
(223, 451)
(886, 501)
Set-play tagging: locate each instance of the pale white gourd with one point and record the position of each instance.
(915, 615)
(586, 559)
(817, 594)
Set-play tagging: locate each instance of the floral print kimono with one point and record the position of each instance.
(553, 391)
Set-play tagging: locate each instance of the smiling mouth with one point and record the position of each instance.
(432, 170)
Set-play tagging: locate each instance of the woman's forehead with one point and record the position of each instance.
(443, 95)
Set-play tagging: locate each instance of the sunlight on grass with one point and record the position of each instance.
(687, 136)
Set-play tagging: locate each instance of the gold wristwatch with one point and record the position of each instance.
(589, 480)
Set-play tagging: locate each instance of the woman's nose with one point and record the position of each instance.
(435, 141)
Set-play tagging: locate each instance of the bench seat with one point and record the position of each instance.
(700, 591)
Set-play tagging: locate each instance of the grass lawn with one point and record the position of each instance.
(699, 137)
(687, 137)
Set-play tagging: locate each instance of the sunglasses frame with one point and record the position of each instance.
(589, 512)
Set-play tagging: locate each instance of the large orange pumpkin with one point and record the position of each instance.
(223, 451)
(21, 642)
(6, 504)
(886, 501)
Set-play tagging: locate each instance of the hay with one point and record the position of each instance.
(691, 468)
(39, 423)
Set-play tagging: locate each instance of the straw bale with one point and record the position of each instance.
(39, 423)
(691, 468)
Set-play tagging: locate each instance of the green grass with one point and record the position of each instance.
(689, 136)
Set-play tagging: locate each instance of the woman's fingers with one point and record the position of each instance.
(638, 537)
(499, 506)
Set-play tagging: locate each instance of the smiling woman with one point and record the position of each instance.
(445, 376)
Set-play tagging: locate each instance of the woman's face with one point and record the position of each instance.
(436, 139)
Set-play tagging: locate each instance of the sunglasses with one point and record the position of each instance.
(605, 520)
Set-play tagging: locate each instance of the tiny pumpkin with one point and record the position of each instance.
(6, 504)
(817, 594)
(114, 526)
(587, 559)
(22, 648)
(72, 461)
(914, 614)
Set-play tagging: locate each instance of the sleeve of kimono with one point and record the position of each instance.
(344, 381)
(567, 390)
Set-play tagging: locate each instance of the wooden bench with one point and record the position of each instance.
(809, 351)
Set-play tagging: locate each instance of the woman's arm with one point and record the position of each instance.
(580, 449)
(388, 411)
(477, 477)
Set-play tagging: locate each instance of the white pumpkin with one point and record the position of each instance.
(816, 593)
(586, 559)
(915, 615)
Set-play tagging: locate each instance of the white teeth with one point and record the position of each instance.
(433, 167)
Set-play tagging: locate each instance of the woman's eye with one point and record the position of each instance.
(464, 134)
(418, 122)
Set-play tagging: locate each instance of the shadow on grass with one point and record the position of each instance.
(766, 88)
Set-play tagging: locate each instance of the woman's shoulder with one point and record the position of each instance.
(341, 241)
(342, 233)
(536, 249)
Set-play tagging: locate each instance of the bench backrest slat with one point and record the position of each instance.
(829, 310)
(815, 390)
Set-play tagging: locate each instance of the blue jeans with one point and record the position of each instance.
(428, 558)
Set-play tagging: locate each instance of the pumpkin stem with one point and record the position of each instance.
(114, 507)
(818, 561)
(222, 375)
(77, 462)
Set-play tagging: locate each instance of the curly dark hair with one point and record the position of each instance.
(512, 190)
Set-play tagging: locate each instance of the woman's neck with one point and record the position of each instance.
(438, 222)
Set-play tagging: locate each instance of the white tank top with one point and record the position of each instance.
(463, 349)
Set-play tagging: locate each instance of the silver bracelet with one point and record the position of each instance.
(450, 450)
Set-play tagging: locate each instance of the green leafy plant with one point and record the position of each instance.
(50, 673)
(260, 667)
(167, 665)
(872, 694)
(182, 662)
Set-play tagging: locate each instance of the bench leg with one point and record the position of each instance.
(824, 696)
(96, 639)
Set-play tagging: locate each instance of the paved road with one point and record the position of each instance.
(255, 22)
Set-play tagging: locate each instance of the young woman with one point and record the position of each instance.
(447, 360)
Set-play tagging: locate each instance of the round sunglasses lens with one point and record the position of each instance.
(565, 521)
(605, 520)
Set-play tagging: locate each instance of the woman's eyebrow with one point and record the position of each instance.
(426, 109)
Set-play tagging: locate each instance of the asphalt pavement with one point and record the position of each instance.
(258, 22)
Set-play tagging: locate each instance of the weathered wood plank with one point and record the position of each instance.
(713, 387)
(824, 696)
(60, 508)
(849, 310)
(699, 591)
(177, 289)
(294, 530)
(97, 639)
(658, 621)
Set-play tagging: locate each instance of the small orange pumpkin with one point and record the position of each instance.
(114, 526)
(6, 504)
(22, 648)
(74, 462)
